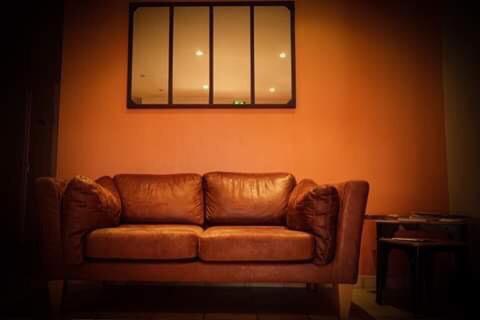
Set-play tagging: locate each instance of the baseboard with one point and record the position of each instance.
(366, 282)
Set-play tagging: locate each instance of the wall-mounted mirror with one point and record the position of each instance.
(215, 55)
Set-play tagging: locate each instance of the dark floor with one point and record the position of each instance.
(149, 301)
(87, 300)
(211, 302)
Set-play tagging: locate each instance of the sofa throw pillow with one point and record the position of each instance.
(314, 208)
(87, 205)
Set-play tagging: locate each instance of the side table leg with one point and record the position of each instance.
(429, 276)
(382, 269)
(416, 267)
(462, 273)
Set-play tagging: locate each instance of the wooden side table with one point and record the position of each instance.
(420, 252)
(420, 255)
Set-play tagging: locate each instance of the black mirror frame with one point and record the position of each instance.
(135, 5)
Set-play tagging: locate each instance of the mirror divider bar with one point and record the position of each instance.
(252, 54)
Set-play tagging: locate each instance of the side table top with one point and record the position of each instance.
(392, 219)
(423, 242)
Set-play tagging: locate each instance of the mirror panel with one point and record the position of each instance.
(273, 61)
(191, 55)
(231, 47)
(149, 59)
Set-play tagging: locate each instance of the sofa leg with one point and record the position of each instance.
(55, 294)
(312, 287)
(344, 300)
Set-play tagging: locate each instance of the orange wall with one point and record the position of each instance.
(369, 107)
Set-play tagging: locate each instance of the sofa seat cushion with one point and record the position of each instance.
(255, 243)
(144, 242)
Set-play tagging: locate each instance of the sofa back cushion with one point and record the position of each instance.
(314, 208)
(247, 198)
(174, 198)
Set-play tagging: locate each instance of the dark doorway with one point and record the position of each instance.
(33, 36)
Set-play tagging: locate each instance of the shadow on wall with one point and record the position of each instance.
(461, 74)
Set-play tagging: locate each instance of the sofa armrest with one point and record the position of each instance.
(87, 205)
(48, 199)
(353, 201)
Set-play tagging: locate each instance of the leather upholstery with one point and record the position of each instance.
(108, 183)
(175, 198)
(296, 219)
(353, 201)
(144, 242)
(343, 268)
(48, 202)
(315, 208)
(86, 206)
(255, 243)
(247, 199)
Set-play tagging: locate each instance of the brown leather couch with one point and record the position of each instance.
(220, 227)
